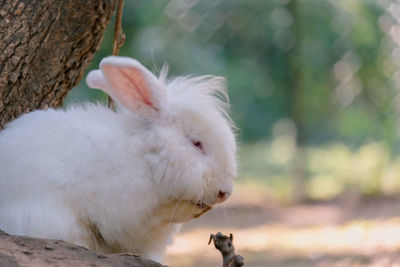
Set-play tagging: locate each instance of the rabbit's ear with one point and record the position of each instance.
(130, 84)
(96, 80)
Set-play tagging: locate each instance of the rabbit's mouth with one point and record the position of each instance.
(179, 211)
(201, 205)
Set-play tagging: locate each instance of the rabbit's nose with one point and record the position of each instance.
(222, 196)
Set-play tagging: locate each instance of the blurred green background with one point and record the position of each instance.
(314, 84)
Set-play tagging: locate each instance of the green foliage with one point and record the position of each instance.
(332, 169)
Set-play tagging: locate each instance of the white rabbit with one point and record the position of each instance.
(119, 181)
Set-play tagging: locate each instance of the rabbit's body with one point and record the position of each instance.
(42, 202)
(116, 181)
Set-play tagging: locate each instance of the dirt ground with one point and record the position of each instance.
(348, 231)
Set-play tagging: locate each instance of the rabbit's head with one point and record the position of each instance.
(190, 143)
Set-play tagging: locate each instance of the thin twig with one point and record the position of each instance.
(119, 38)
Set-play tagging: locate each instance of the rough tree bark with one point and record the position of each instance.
(45, 47)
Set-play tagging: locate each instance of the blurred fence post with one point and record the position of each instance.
(296, 106)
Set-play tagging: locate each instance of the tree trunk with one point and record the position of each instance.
(46, 45)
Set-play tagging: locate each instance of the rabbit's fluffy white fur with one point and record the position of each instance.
(103, 179)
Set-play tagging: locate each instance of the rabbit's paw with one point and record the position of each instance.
(179, 211)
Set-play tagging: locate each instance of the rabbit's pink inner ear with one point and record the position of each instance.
(129, 86)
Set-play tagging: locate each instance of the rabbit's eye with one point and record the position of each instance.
(198, 145)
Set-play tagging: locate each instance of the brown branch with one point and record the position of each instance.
(119, 38)
(225, 244)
